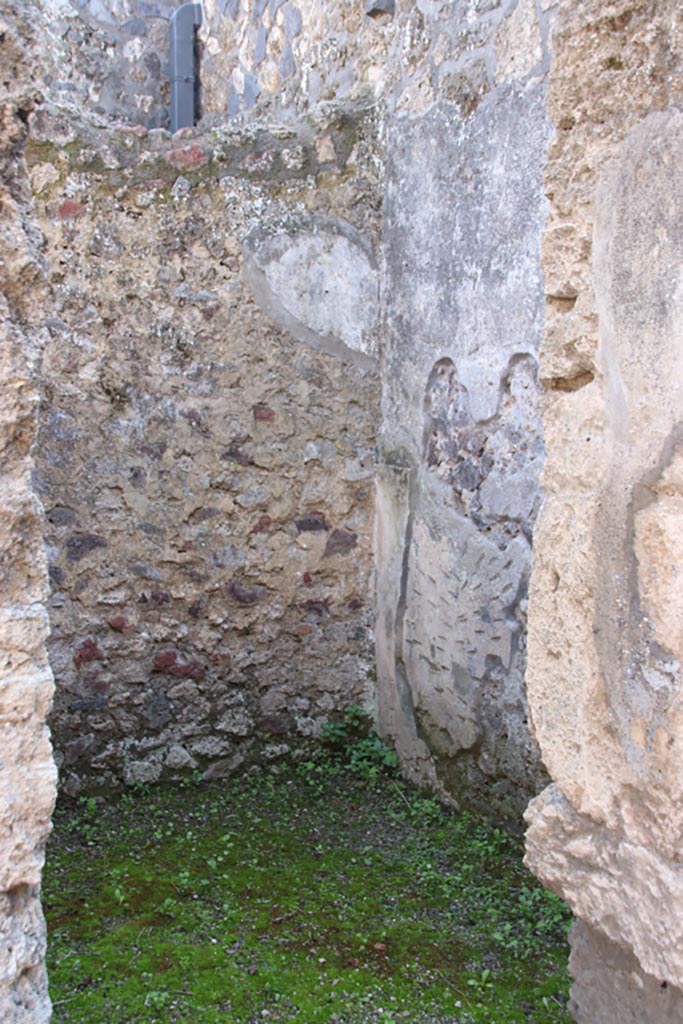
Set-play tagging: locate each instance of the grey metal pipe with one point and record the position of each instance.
(182, 65)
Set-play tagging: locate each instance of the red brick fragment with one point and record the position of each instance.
(118, 623)
(262, 524)
(340, 542)
(164, 660)
(312, 522)
(87, 652)
(167, 661)
(187, 157)
(190, 670)
(263, 413)
(243, 594)
(70, 209)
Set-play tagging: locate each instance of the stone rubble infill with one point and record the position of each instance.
(202, 418)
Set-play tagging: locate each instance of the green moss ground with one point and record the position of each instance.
(306, 895)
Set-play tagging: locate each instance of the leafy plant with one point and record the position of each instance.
(354, 741)
(369, 756)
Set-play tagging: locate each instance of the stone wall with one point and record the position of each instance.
(290, 56)
(329, 298)
(461, 94)
(27, 773)
(606, 626)
(456, 337)
(207, 477)
(108, 58)
(281, 58)
(319, 316)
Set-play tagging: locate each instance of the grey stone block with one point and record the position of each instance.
(135, 27)
(251, 91)
(234, 102)
(287, 62)
(293, 21)
(376, 8)
(261, 45)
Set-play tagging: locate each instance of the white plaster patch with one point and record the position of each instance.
(320, 282)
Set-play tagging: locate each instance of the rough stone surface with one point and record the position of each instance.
(611, 986)
(405, 56)
(109, 58)
(461, 445)
(27, 773)
(209, 516)
(606, 623)
(449, 308)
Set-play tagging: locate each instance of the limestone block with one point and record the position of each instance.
(632, 649)
(631, 892)
(658, 543)
(27, 771)
(611, 984)
(23, 978)
(604, 678)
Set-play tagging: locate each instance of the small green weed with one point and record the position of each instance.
(355, 743)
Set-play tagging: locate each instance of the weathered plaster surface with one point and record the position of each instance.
(207, 478)
(318, 278)
(27, 772)
(606, 622)
(461, 445)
